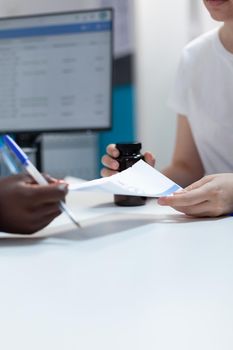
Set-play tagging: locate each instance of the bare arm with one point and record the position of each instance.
(205, 196)
(186, 166)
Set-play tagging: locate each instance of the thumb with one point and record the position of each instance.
(149, 158)
(194, 186)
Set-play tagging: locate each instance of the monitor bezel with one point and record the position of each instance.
(34, 132)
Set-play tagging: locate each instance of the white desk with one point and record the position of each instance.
(131, 278)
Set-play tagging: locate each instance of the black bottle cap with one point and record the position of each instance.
(129, 147)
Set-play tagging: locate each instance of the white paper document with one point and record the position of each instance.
(139, 180)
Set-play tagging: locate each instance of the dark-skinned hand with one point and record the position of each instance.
(26, 207)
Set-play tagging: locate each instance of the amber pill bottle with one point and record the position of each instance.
(129, 155)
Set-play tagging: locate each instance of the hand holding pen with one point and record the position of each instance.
(34, 173)
(26, 208)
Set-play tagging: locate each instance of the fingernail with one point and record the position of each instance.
(62, 187)
(161, 201)
(115, 153)
(115, 165)
(179, 192)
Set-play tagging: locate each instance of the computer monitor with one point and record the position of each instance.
(56, 72)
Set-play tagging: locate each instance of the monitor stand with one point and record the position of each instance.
(31, 144)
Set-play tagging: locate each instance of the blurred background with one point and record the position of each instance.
(148, 39)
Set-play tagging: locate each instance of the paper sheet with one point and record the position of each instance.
(140, 180)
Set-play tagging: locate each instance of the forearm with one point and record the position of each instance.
(182, 174)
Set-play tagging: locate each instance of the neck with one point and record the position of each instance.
(226, 36)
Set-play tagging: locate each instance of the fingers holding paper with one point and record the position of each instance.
(212, 196)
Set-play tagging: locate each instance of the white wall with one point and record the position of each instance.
(16, 7)
(162, 29)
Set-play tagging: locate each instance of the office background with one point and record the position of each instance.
(144, 71)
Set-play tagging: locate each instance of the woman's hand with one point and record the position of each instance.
(211, 196)
(111, 165)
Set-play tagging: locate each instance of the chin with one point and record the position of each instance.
(219, 13)
(217, 17)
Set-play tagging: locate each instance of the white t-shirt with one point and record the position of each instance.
(203, 92)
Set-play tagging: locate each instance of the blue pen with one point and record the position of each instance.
(33, 172)
(10, 164)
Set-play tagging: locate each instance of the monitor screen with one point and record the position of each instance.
(56, 72)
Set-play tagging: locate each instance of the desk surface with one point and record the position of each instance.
(131, 278)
